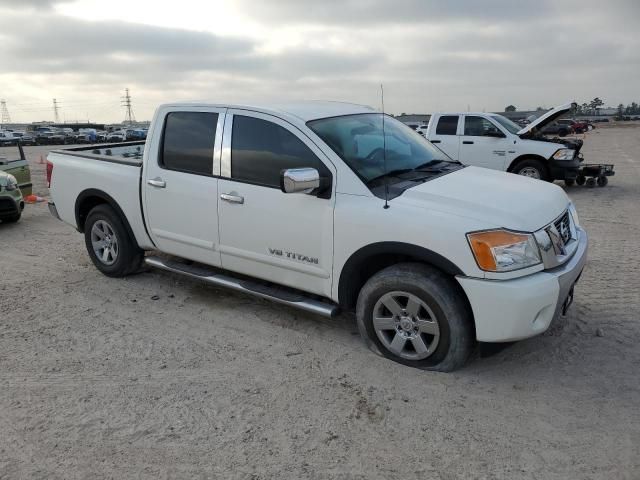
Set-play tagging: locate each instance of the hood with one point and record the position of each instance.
(547, 118)
(495, 198)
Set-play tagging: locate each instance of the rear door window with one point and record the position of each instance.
(447, 125)
(188, 141)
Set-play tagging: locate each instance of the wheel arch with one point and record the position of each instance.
(528, 156)
(91, 198)
(369, 260)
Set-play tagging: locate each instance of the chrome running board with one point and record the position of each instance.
(270, 292)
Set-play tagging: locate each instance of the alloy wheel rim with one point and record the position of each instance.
(104, 242)
(530, 172)
(406, 326)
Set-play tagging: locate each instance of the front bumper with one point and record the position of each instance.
(564, 169)
(509, 310)
(11, 205)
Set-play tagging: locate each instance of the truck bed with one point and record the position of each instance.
(108, 171)
(128, 153)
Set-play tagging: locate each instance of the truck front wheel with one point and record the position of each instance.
(110, 247)
(530, 167)
(416, 315)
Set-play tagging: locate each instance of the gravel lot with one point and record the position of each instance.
(155, 376)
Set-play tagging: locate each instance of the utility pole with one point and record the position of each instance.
(5, 117)
(126, 102)
(56, 109)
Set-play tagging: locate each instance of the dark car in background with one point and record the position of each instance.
(558, 129)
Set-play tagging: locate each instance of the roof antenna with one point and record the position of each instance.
(384, 154)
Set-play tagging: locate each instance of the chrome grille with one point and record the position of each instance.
(558, 240)
(563, 227)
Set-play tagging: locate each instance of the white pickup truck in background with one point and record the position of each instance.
(490, 140)
(323, 206)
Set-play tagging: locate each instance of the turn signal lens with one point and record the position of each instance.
(503, 251)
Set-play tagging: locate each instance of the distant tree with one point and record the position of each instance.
(510, 108)
(620, 112)
(585, 108)
(596, 103)
(635, 109)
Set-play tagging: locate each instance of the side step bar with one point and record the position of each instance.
(274, 293)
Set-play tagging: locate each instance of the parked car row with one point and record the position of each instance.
(68, 136)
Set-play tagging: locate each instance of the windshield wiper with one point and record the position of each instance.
(391, 173)
(423, 168)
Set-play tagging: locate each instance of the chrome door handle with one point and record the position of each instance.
(232, 198)
(157, 182)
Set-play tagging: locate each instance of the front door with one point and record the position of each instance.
(181, 184)
(483, 144)
(285, 238)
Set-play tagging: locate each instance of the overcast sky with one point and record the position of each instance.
(430, 55)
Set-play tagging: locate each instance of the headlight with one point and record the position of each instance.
(564, 154)
(574, 214)
(504, 251)
(12, 183)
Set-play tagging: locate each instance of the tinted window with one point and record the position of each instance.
(188, 142)
(478, 126)
(447, 125)
(260, 150)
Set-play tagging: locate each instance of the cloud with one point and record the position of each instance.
(429, 55)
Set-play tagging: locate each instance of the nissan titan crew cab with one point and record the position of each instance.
(326, 206)
(493, 141)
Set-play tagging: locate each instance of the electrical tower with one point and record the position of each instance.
(5, 118)
(56, 109)
(129, 118)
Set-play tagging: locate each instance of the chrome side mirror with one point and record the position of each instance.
(299, 180)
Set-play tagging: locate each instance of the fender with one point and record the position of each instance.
(351, 276)
(105, 198)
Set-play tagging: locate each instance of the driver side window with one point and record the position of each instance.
(479, 127)
(260, 150)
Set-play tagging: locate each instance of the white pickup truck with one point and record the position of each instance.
(493, 141)
(312, 206)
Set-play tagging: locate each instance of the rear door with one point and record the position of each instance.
(483, 144)
(181, 183)
(444, 135)
(284, 238)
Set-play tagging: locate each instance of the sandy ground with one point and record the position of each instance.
(99, 380)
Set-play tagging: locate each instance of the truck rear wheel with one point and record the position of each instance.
(415, 315)
(110, 247)
(530, 167)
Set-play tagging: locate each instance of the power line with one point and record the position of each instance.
(126, 102)
(5, 117)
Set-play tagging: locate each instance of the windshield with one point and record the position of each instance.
(358, 140)
(508, 124)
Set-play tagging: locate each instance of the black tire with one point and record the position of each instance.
(522, 167)
(580, 179)
(591, 182)
(602, 181)
(569, 182)
(129, 256)
(443, 298)
(12, 218)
